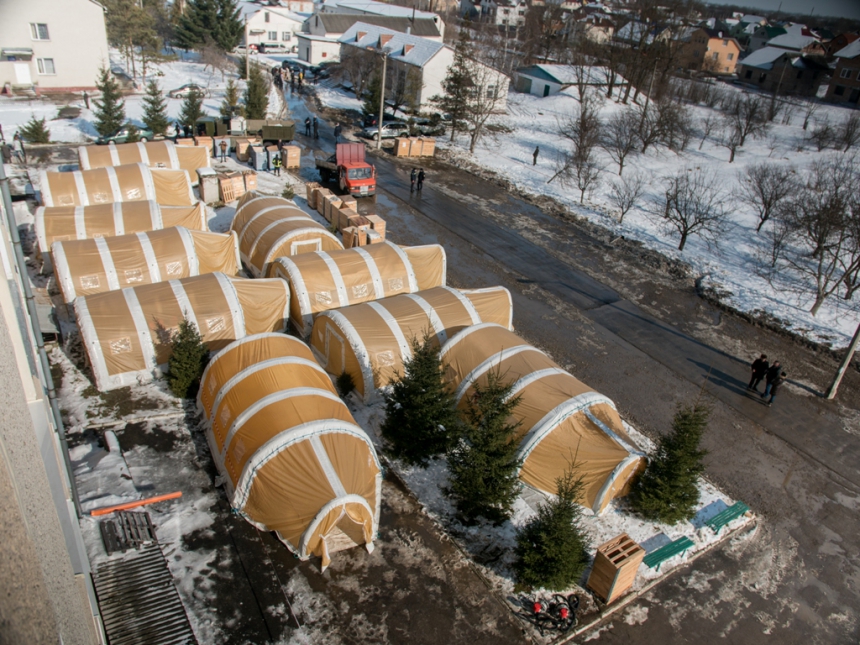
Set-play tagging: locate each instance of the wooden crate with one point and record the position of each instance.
(350, 202)
(428, 147)
(205, 142)
(250, 180)
(374, 238)
(238, 184)
(185, 142)
(311, 191)
(615, 566)
(401, 147)
(377, 224)
(415, 147)
(292, 157)
(322, 193)
(344, 215)
(348, 237)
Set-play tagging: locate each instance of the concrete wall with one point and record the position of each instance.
(318, 51)
(77, 41)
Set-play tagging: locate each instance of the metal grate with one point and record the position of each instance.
(126, 531)
(139, 603)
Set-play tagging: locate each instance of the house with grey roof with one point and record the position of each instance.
(335, 25)
(783, 71)
(798, 43)
(762, 35)
(845, 85)
(546, 80)
(373, 8)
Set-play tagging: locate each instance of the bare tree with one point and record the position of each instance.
(767, 186)
(675, 125)
(822, 134)
(405, 88)
(811, 107)
(487, 95)
(649, 126)
(620, 136)
(730, 137)
(693, 204)
(356, 67)
(626, 193)
(708, 124)
(748, 115)
(583, 126)
(585, 173)
(849, 131)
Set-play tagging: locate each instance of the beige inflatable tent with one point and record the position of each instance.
(127, 333)
(133, 182)
(61, 223)
(323, 281)
(562, 419)
(292, 457)
(269, 227)
(370, 341)
(87, 267)
(155, 154)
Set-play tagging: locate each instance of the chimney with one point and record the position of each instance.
(359, 35)
(408, 30)
(383, 40)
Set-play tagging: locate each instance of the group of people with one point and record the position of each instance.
(15, 151)
(416, 179)
(312, 125)
(296, 78)
(773, 375)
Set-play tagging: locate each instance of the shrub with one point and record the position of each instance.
(189, 358)
(344, 383)
(35, 131)
(288, 192)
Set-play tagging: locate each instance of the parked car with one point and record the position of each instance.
(185, 90)
(272, 48)
(371, 119)
(432, 127)
(390, 130)
(121, 136)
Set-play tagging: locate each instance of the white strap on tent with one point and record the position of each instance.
(45, 189)
(410, 272)
(149, 256)
(171, 153)
(190, 250)
(268, 228)
(298, 290)
(118, 222)
(487, 364)
(233, 302)
(84, 157)
(375, 277)
(258, 367)
(268, 209)
(146, 345)
(609, 483)
(470, 308)
(238, 256)
(463, 333)
(435, 322)
(337, 278)
(527, 380)
(183, 302)
(81, 188)
(394, 326)
(115, 190)
(325, 463)
(107, 263)
(621, 442)
(114, 154)
(91, 341)
(358, 348)
(148, 185)
(62, 271)
(155, 216)
(557, 415)
(315, 230)
(141, 150)
(80, 224)
(285, 439)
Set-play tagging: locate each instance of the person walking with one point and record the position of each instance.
(759, 369)
(316, 129)
(413, 176)
(774, 386)
(337, 131)
(421, 176)
(276, 165)
(771, 375)
(535, 155)
(308, 127)
(223, 146)
(18, 148)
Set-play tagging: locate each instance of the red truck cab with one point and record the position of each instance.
(354, 175)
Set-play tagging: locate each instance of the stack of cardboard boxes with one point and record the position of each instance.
(357, 230)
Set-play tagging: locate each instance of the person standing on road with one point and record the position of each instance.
(223, 146)
(413, 176)
(308, 127)
(535, 155)
(18, 148)
(773, 387)
(337, 131)
(421, 176)
(316, 129)
(759, 370)
(771, 375)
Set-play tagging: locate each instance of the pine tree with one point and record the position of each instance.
(110, 110)
(372, 95)
(256, 96)
(155, 109)
(133, 135)
(230, 105)
(192, 108)
(35, 131)
(484, 463)
(205, 21)
(667, 491)
(552, 549)
(457, 85)
(420, 415)
(187, 362)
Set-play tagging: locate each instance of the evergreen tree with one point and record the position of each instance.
(667, 491)
(155, 109)
(256, 94)
(215, 21)
(133, 135)
(192, 108)
(35, 131)
(110, 110)
(230, 105)
(457, 85)
(187, 362)
(484, 464)
(552, 549)
(371, 97)
(420, 415)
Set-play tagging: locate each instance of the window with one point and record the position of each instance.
(39, 31)
(762, 78)
(840, 90)
(491, 91)
(273, 35)
(696, 53)
(730, 57)
(748, 74)
(800, 74)
(286, 36)
(266, 16)
(324, 54)
(46, 65)
(725, 43)
(845, 73)
(716, 55)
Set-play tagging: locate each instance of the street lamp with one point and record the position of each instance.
(384, 53)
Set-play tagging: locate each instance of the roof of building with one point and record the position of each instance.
(764, 58)
(849, 51)
(770, 32)
(753, 18)
(319, 39)
(338, 23)
(377, 8)
(248, 9)
(420, 53)
(792, 41)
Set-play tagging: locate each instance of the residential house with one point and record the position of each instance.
(298, 6)
(334, 25)
(374, 8)
(804, 44)
(762, 35)
(785, 72)
(51, 46)
(845, 83)
(546, 80)
(503, 13)
(597, 27)
(317, 49)
(270, 25)
(838, 42)
(423, 60)
(636, 34)
(746, 27)
(710, 51)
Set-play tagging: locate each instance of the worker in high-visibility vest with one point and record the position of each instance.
(276, 165)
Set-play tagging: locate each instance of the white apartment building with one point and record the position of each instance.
(271, 25)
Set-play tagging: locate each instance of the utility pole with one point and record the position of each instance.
(381, 100)
(831, 392)
(247, 51)
(648, 96)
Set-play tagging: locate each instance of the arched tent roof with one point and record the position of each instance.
(293, 459)
(60, 223)
(128, 183)
(155, 154)
(87, 267)
(127, 333)
(562, 419)
(269, 227)
(323, 281)
(371, 340)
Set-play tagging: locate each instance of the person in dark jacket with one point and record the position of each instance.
(413, 177)
(276, 165)
(337, 131)
(770, 377)
(773, 387)
(759, 369)
(421, 176)
(308, 127)
(316, 129)
(535, 155)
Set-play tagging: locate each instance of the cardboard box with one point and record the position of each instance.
(292, 157)
(401, 147)
(311, 191)
(322, 193)
(377, 224)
